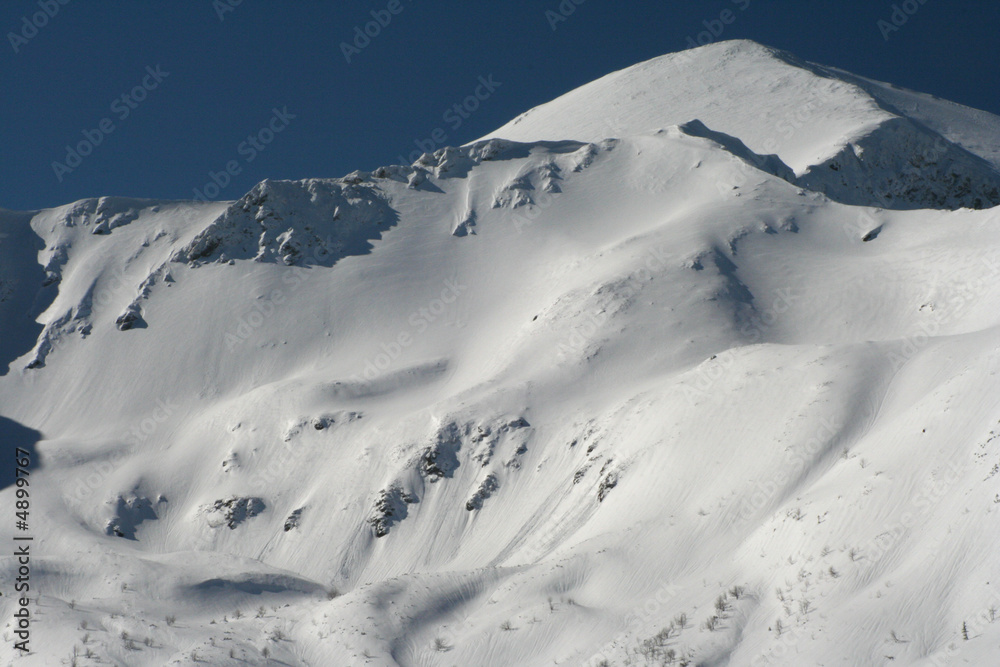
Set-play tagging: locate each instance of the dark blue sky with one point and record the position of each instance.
(220, 80)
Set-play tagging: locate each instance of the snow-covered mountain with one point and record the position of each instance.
(696, 364)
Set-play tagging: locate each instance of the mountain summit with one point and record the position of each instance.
(691, 365)
(886, 146)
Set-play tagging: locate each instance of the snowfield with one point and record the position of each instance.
(696, 364)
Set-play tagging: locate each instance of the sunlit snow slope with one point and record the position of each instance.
(694, 365)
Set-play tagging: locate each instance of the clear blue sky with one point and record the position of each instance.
(224, 77)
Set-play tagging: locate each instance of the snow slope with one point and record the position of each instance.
(818, 120)
(662, 391)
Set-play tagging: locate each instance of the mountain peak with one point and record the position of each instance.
(745, 89)
(814, 119)
(490, 407)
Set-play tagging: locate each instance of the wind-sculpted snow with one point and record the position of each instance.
(318, 222)
(840, 134)
(902, 165)
(296, 222)
(772, 164)
(699, 370)
(101, 216)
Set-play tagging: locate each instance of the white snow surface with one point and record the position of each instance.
(639, 378)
